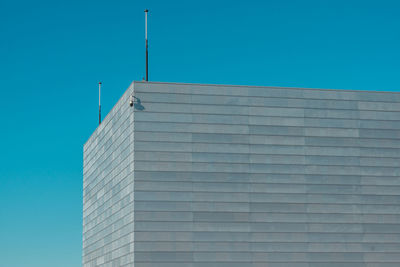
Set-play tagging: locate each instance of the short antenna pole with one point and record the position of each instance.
(147, 46)
(99, 103)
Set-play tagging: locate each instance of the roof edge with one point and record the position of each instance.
(276, 87)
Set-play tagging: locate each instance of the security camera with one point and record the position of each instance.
(131, 101)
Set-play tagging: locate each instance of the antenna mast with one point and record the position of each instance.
(99, 103)
(147, 46)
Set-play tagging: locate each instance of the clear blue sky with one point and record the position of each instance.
(53, 53)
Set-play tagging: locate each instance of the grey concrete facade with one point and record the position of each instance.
(212, 175)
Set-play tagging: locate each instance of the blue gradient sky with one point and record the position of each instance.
(53, 53)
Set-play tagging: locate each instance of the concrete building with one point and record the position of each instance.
(233, 176)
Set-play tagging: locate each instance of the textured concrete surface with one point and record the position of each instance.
(209, 175)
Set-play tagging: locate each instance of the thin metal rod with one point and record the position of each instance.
(147, 46)
(99, 103)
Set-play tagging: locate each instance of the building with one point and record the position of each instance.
(198, 175)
